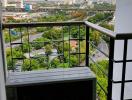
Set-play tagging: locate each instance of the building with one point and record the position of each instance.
(113, 2)
(69, 2)
(13, 3)
(4, 2)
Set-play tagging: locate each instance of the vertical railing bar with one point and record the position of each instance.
(59, 56)
(79, 46)
(110, 72)
(47, 55)
(21, 33)
(124, 68)
(69, 29)
(87, 46)
(63, 43)
(29, 47)
(22, 42)
(12, 60)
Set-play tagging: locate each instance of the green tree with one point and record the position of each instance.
(73, 61)
(95, 37)
(63, 65)
(53, 33)
(55, 62)
(101, 77)
(48, 49)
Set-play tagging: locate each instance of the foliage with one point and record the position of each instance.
(26, 47)
(14, 53)
(65, 65)
(10, 63)
(53, 18)
(73, 61)
(34, 64)
(53, 33)
(101, 77)
(77, 32)
(108, 26)
(79, 14)
(66, 46)
(103, 6)
(95, 37)
(41, 29)
(48, 49)
(55, 62)
(99, 17)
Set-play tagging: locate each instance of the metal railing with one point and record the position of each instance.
(73, 41)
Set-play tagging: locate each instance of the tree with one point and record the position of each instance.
(55, 62)
(48, 49)
(73, 61)
(66, 46)
(10, 63)
(42, 62)
(101, 77)
(64, 65)
(101, 17)
(40, 43)
(26, 47)
(95, 37)
(53, 33)
(6, 36)
(41, 29)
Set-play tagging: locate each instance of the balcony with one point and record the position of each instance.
(61, 51)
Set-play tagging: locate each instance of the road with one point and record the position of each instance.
(31, 38)
(98, 56)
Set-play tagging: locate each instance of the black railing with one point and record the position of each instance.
(72, 44)
(53, 41)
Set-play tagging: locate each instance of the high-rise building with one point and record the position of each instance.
(69, 2)
(113, 2)
(22, 3)
(15, 3)
(4, 2)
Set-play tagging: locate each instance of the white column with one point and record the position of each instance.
(2, 81)
(123, 24)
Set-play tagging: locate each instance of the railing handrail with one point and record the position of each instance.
(43, 24)
(101, 29)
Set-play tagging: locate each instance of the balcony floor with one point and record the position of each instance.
(49, 76)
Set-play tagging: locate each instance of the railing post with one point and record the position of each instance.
(110, 70)
(2, 75)
(87, 46)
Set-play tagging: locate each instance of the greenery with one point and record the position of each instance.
(100, 17)
(101, 77)
(103, 6)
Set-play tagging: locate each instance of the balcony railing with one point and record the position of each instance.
(65, 43)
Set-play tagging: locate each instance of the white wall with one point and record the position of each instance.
(123, 24)
(2, 83)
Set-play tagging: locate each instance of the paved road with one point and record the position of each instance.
(32, 37)
(98, 56)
